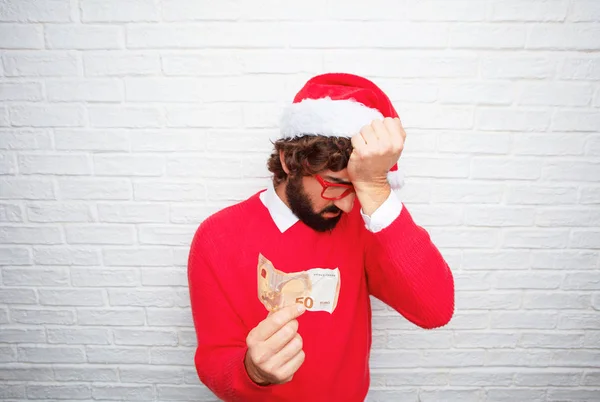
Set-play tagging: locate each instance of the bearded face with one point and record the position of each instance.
(318, 217)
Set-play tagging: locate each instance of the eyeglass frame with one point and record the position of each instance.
(326, 184)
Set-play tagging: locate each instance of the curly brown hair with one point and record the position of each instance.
(308, 155)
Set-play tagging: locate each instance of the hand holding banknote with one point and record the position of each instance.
(275, 347)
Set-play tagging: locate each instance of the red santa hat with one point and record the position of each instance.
(338, 105)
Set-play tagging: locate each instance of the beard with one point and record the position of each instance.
(302, 207)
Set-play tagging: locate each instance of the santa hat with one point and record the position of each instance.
(338, 105)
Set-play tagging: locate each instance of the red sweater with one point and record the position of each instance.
(399, 265)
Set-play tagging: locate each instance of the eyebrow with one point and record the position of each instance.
(337, 180)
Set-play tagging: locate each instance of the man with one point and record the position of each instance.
(280, 283)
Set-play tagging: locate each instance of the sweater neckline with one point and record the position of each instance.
(281, 214)
(298, 225)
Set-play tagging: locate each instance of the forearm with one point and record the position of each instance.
(222, 370)
(406, 271)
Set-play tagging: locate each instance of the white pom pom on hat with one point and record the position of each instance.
(338, 105)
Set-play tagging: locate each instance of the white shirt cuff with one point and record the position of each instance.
(384, 215)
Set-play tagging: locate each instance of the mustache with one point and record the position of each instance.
(332, 209)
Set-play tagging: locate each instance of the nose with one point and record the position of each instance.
(346, 203)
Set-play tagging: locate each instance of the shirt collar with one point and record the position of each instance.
(283, 217)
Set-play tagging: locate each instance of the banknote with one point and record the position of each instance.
(317, 288)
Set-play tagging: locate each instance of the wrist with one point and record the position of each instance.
(374, 186)
(371, 196)
(376, 190)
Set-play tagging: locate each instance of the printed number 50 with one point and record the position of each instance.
(308, 301)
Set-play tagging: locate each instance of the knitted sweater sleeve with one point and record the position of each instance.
(406, 271)
(220, 333)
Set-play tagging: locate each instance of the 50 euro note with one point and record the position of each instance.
(318, 288)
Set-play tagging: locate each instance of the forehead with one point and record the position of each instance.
(336, 177)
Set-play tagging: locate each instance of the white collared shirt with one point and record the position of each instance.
(284, 218)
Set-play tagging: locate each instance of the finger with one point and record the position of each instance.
(402, 132)
(382, 132)
(394, 128)
(290, 368)
(358, 144)
(368, 135)
(289, 351)
(281, 338)
(381, 129)
(276, 321)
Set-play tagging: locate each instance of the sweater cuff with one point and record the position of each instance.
(384, 215)
(242, 380)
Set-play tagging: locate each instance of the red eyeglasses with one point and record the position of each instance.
(334, 191)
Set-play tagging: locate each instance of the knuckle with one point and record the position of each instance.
(299, 341)
(290, 330)
(278, 320)
(259, 358)
(286, 332)
(268, 368)
(251, 339)
(280, 377)
(291, 313)
(263, 358)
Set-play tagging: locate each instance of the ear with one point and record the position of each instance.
(283, 165)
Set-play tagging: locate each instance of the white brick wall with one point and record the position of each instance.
(125, 123)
